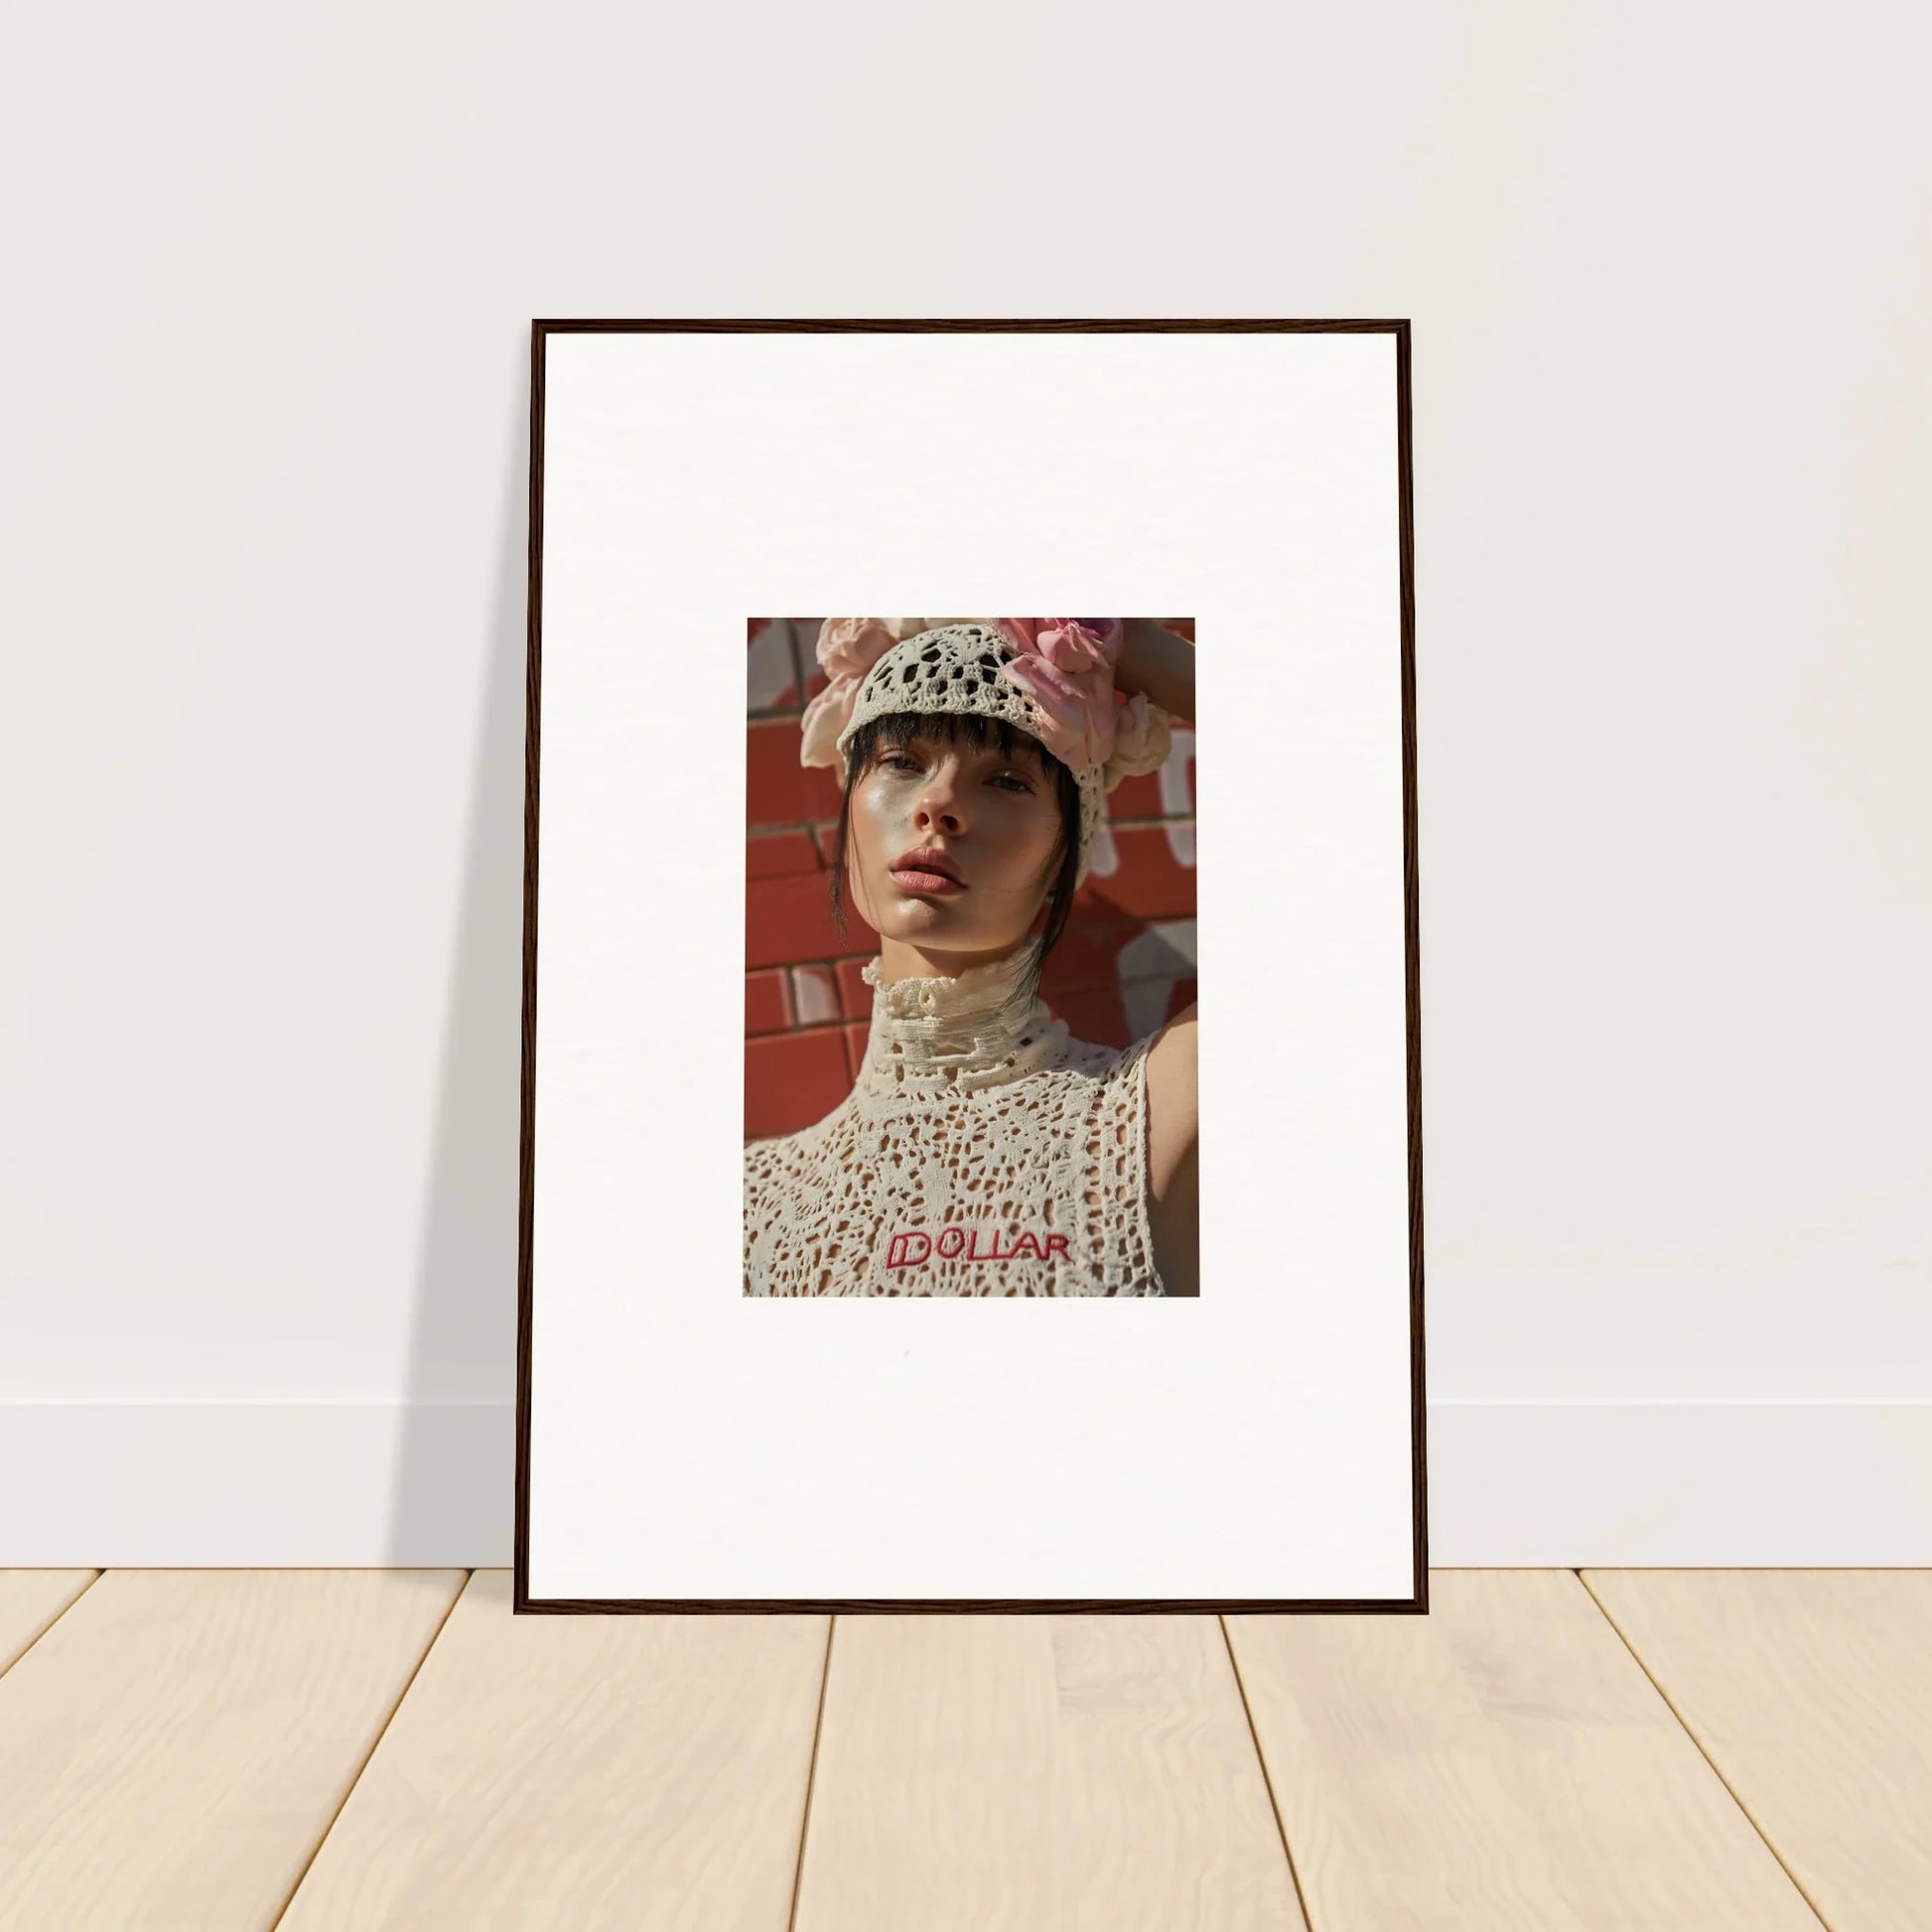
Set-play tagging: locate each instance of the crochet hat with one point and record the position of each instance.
(1051, 677)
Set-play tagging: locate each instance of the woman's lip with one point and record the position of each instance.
(913, 879)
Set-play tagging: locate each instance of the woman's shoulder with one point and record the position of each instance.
(783, 1156)
(1171, 1047)
(1081, 1070)
(772, 1154)
(1165, 1045)
(1153, 1077)
(1173, 1096)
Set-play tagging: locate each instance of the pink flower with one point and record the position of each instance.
(851, 647)
(1143, 738)
(1075, 646)
(825, 718)
(847, 648)
(1067, 665)
(1076, 714)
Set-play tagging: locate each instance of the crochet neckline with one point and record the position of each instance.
(953, 1032)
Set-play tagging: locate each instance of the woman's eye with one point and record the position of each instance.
(900, 761)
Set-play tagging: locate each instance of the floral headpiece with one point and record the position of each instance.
(1053, 677)
(1065, 665)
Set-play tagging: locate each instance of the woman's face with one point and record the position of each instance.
(986, 827)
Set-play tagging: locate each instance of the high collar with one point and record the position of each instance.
(931, 1036)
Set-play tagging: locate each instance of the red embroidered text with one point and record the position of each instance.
(913, 1245)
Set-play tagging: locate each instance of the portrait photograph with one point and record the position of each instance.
(971, 959)
(863, 966)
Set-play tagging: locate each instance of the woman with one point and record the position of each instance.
(983, 1150)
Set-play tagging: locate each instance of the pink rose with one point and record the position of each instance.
(1076, 722)
(851, 647)
(1075, 645)
(1067, 665)
(825, 718)
(847, 648)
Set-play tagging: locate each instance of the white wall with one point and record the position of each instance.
(271, 278)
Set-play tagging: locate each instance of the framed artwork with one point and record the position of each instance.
(864, 961)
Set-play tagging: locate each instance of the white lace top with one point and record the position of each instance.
(982, 1151)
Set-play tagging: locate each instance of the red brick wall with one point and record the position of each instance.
(1119, 969)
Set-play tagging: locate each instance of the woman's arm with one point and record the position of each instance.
(1172, 1153)
(1160, 662)
(1173, 1220)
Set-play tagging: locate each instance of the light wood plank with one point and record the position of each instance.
(645, 1772)
(1051, 1773)
(29, 1601)
(1811, 1690)
(1501, 1763)
(176, 1744)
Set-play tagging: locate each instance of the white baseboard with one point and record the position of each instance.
(314, 1485)
(1691, 1483)
(268, 1484)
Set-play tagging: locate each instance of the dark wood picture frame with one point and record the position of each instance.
(1416, 1603)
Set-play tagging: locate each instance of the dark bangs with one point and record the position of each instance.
(895, 730)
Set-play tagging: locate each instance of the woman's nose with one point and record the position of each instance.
(939, 806)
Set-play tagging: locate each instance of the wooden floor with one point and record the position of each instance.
(1696, 1751)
